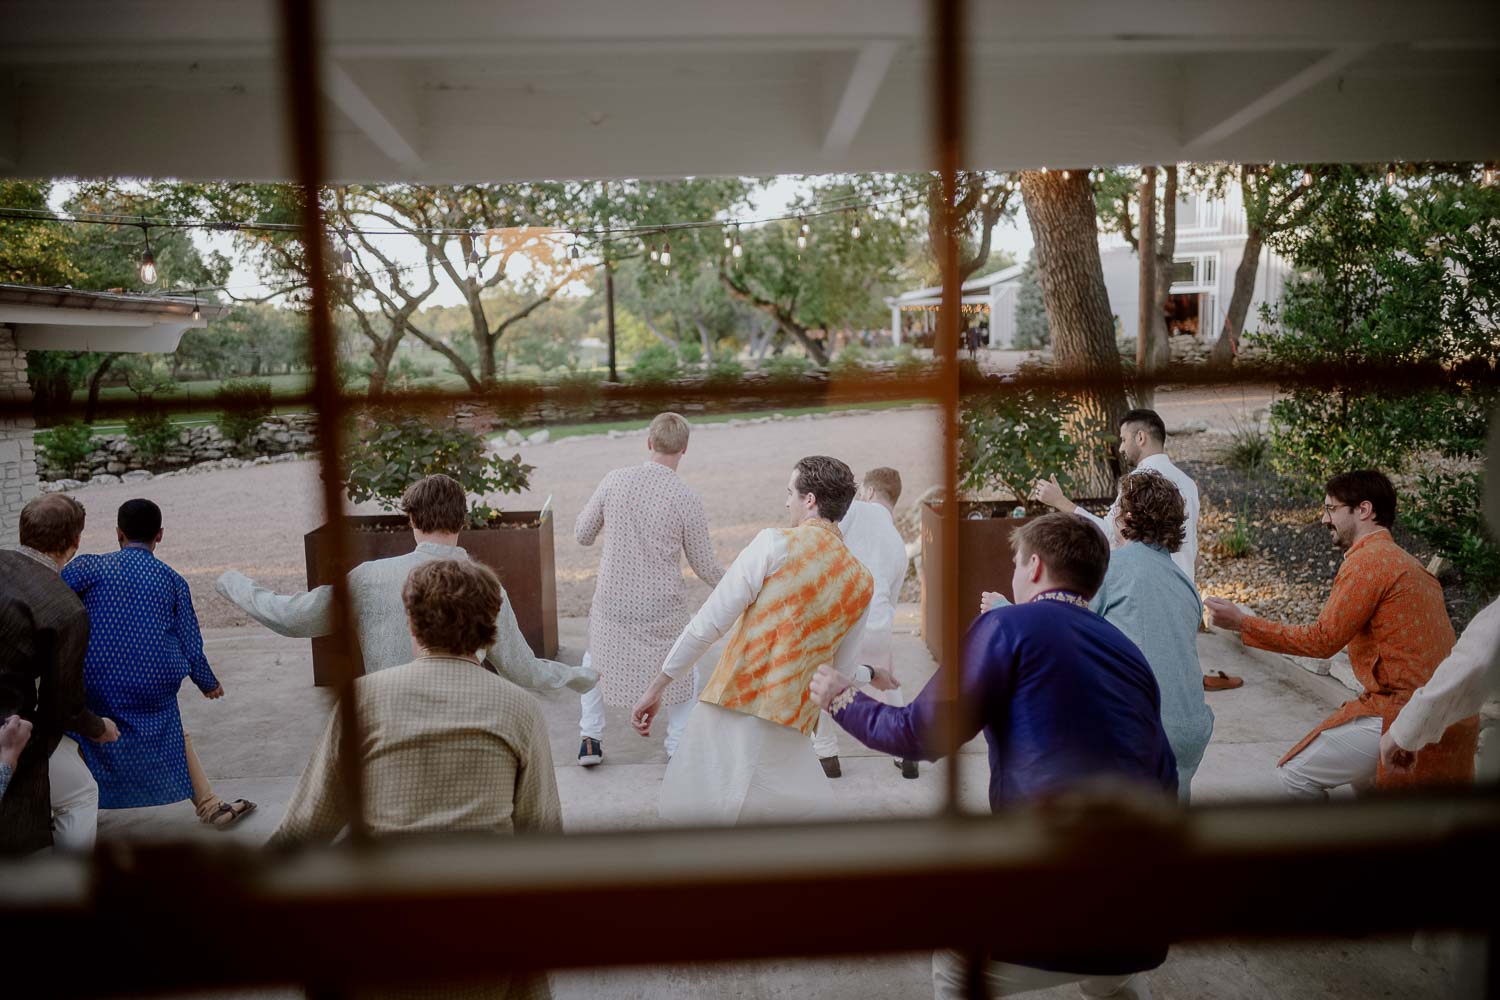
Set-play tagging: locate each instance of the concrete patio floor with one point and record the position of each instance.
(255, 741)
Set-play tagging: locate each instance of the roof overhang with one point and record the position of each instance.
(489, 90)
(63, 319)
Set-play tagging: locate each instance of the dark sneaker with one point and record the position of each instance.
(908, 768)
(590, 752)
(830, 766)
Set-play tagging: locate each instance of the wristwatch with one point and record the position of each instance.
(864, 674)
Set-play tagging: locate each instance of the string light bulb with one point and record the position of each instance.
(666, 254)
(854, 227)
(738, 251)
(1487, 176)
(573, 252)
(805, 227)
(1307, 177)
(1066, 174)
(197, 311)
(346, 263)
(655, 253)
(1390, 175)
(984, 197)
(148, 260)
(728, 238)
(801, 241)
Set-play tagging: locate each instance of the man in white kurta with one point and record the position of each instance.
(1143, 445)
(795, 598)
(649, 518)
(870, 532)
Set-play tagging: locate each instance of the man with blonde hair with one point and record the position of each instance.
(649, 517)
(438, 510)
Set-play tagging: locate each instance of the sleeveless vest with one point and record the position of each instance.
(795, 623)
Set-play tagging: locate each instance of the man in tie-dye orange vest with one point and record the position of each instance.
(795, 598)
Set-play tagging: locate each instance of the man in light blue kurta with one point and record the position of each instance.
(1146, 596)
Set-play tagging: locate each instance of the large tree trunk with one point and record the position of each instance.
(96, 382)
(1228, 344)
(380, 374)
(1147, 315)
(1062, 215)
(707, 340)
(815, 348)
(1166, 250)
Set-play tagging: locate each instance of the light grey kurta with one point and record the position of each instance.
(649, 517)
(384, 639)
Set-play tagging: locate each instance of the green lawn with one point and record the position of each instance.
(604, 427)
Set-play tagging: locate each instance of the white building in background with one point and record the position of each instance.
(1210, 243)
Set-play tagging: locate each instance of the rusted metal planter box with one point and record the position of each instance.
(984, 560)
(519, 551)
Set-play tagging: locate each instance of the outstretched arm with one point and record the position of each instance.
(300, 616)
(1356, 592)
(591, 519)
(190, 639)
(513, 658)
(698, 546)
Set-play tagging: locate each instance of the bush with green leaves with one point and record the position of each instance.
(787, 367)
(726, 369)
(691, 352)
(247, 403)
(1235, 542)
(398, 450)
(1032, 331)
(1389, 276)
(66, 447)
(1011, 438)
(655, 363)
(852, 360)
(151, 433)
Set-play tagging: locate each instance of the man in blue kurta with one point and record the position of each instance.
(143, 640)
(1064, 698)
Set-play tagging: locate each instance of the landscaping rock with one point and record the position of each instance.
(104, 479)
(539, 437)
(137, 476)
(114, 455)
(513, 438)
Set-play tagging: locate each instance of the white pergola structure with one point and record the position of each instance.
(473, 90)
(63, 319)
(992, 294)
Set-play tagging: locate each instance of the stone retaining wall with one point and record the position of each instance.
(114, 458)
(18, 473)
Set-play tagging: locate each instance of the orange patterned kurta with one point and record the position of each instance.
(795, 623)
(1390, 613)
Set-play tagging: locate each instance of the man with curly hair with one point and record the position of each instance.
(1147, 596)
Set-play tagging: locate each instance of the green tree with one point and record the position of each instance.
(1032, 331)
(1390, 276)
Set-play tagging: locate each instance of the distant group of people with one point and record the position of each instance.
(1089, 674)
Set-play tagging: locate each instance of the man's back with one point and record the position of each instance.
(872, 538)
(139, 608)
(1064, 698)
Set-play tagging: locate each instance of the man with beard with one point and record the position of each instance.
(1389, 611)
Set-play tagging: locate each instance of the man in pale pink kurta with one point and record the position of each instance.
(650, 518)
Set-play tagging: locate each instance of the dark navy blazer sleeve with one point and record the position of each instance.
(912, 731)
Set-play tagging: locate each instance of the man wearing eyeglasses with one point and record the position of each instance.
(1389, 611)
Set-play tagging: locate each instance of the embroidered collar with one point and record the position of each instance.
(1066, 596)
(39, 556)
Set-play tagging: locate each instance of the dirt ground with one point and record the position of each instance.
(253, 519)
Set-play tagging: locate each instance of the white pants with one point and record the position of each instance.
(825, 739)
(591, 713)
(1006, 980)
(1343, 755)
(75, 799)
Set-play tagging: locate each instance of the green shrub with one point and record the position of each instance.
(850, 361)
(1235, 543)
(904, 357)
(787, 367)
(1248, 450)
(251, 404)
(1446, 510)
(67, 446)
(151, 432)
(726, 369)
(1012, 438)
(691, 352)
(399, 450)
(655, 363)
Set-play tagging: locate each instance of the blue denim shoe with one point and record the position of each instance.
(590, 752)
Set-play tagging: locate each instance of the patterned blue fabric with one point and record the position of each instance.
(143, 641)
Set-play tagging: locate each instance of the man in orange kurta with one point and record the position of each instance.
(1389, 611)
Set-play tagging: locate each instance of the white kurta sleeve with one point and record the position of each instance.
(513, 658)
(1458, 687)
(591, 519)
(301, 616)
(696, 543)
(765, 554)
(1105, 525)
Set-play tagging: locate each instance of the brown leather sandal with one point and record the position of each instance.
(1220, 681)
(235, 811)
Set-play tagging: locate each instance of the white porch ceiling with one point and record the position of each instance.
(470, 90)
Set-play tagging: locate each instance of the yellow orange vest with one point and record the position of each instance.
(795, 623)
